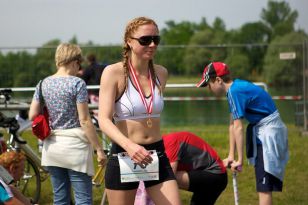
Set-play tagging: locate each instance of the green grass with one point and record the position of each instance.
(295, 186)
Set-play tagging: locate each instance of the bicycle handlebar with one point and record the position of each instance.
(6, 93)
(10, 122)
(13, 126)
(19, 140)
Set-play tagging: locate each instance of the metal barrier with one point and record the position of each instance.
(25, 106)
(299, 113)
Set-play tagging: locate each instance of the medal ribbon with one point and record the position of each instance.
(149, 108)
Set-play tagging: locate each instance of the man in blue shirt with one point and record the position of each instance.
(267, 139)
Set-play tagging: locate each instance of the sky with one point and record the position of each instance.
(31, 23)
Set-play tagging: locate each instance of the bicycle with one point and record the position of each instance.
(34, 172)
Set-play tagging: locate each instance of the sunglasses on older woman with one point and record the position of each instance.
(147, 40)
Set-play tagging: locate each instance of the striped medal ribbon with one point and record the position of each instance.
(148, 107)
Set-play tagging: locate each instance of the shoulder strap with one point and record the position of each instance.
(42, 101)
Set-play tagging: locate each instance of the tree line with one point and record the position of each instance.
(252, 51)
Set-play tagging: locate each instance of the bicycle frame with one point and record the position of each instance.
(32, 171)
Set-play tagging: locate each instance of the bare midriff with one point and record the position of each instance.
(139, 132)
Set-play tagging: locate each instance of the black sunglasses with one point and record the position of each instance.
(147, 40)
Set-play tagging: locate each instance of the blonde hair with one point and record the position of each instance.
(130, 29)
(11, 157)
(67, 53)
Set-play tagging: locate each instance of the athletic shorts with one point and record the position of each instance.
(112, 175)
(206, 186)
(265, 182)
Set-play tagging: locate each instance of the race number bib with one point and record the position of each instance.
(133, 172)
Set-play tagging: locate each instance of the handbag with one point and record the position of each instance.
(40, 124)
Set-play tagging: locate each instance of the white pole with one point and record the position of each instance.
(235, 189)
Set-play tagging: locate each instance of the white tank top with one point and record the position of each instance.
(130, 106)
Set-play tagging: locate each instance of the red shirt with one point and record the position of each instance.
(192, 153)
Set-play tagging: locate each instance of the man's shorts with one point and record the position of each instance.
(265, 182)
(112, 175)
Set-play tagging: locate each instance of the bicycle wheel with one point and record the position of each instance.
(30, 183)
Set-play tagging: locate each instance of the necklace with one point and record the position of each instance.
(148, 107)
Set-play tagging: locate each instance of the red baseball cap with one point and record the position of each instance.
(214, 69)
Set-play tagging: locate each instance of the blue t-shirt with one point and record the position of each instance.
(249, 101)
(61, 95)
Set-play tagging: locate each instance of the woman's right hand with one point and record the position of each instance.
(139, 154)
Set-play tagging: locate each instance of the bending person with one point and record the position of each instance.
(266, 136)
(197, 167)
(131, 93)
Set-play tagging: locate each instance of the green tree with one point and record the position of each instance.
(6, 73)
(24, 64)
(239, 65)
(74, 40)
(205, 46)
(14, 64)
(252, 36)
(279, 18)
(104, 54)
(219, 24)
(255, 32)
(45, 61)
(178, 34)
(284, 72)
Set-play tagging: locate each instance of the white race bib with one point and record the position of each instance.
(132, 172)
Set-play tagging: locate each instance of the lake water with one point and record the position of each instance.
(208, 111)
(179, 113)
(211, 112)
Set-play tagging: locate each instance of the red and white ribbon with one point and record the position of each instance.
(148, 107)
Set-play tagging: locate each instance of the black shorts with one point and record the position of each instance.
(206, 186)
(112, 175)
(265, 182)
